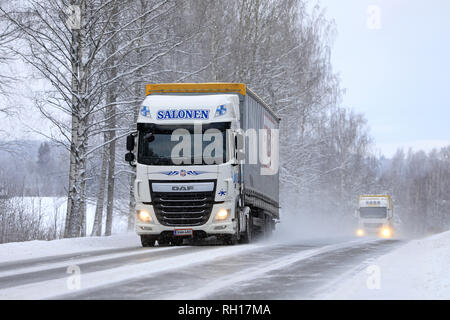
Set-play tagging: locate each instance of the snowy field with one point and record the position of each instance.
(52, 212)
(418, 270)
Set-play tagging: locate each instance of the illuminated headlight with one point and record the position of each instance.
(386, 232)
(360, 233)
(222, 214)
(144, 216)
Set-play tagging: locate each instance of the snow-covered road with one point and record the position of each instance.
(301, 269)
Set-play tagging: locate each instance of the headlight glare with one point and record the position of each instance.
(222, 214)
(144, 216)
(386, 232)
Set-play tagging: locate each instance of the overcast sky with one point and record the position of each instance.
(396, 69)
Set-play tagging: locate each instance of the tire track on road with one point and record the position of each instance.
(54, 270)
(135, 269)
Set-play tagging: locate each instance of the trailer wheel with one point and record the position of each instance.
(148, 241)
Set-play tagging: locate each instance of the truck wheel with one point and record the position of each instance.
(148, 241)
(163, 241)
(247, 236)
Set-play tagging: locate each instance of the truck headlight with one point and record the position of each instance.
(360, 232)
(222, 214)
(144, 216)
(386, 232)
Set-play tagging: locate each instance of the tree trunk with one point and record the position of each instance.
(79, 134)
(132, 201)
(83, 200)
(71, 179)
(111, 98)
(72, 217)
(98, 220)
(137, 95)
(111, 178)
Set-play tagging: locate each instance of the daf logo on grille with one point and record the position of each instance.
(182, 188)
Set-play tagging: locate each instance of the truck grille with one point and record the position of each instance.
(183, 208)
(372, 225)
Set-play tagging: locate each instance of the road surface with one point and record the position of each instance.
(302, 269)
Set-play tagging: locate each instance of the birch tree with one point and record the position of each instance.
(8, 34)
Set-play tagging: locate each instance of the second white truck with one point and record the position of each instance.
(375, 215)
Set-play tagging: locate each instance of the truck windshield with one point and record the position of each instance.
(373, 212)
(157, 144)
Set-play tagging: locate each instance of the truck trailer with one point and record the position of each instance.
(206, 159)
(375, 215)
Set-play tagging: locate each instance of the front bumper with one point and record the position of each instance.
(382, 230)
(211, 227)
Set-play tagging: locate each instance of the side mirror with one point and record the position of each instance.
(231, 151)
(235, 146)
(239, 146)
(130, 142)
(356, 213)
(129, 157)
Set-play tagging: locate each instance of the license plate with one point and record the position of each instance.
(183, 232)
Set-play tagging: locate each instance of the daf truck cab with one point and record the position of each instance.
(194, 152)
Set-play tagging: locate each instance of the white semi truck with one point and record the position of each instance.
(206, 158)
(375, 215)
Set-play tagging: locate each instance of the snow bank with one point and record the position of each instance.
(36, 249)
(418, 270)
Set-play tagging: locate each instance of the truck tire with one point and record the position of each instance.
(163, 241)
(246, 237)
(148, 241)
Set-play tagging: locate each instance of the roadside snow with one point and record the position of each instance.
(36, 249)
(418, 270)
